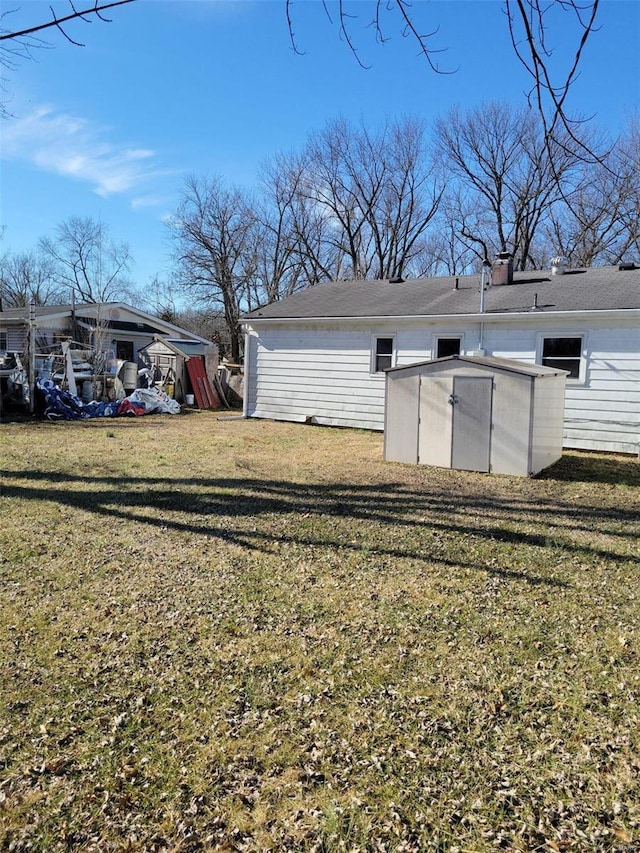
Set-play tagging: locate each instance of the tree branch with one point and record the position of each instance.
(534, 58)
(75, 14)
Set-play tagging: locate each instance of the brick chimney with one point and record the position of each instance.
(502, 269)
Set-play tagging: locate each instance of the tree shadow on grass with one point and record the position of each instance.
(218, 508)
(592, 468)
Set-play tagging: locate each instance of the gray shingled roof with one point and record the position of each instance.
(596, 289)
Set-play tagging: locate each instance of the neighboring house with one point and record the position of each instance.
(121, 327)
(121, 330)
(320, 355)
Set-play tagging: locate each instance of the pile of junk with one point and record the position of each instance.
(71, 382)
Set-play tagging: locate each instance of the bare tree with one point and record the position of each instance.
(600, 222)
(288, 185)
(375, 194)
(338, 185)
(506, 177)
(279, 257)
(20, 43)
(410, 200)
(28, 277)
(161, 297)
(530, 31)
(88, 261)
(213, 233)
(629, 157)
(445, 252)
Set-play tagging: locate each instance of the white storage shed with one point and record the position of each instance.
(475, 414)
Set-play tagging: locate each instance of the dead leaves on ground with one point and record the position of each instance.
(369, 658)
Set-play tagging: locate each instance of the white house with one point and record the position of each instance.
(320, 355)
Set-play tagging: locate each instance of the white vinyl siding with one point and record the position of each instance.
(604, 413)
(329, 383)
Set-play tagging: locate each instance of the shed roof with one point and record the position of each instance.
(594, 289)
(178, 346)
(491, 362)
(187, 348)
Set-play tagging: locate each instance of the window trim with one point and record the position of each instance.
(438, 336)
(374, 353)
(582, 368)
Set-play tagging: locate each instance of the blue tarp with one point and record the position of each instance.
(61, 405)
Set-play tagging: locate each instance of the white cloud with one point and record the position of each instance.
(73, 147)
(145, 201)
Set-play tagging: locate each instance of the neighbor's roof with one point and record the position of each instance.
(594, 289)
(112, 315)
(22, 313)
(121, 325)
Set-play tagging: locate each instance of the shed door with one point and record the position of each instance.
(471, 403)
(434, 431)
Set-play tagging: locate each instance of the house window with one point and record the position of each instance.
(382, 354)
(447, 346)
(563, 353)
(3, 341)
(124, 350)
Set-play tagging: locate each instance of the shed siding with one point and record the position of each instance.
(511, 423)
(547, 426)
(436, 421)
(402, 420)
(474, 415)
(510, 415)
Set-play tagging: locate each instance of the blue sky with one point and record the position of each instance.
(173, 87)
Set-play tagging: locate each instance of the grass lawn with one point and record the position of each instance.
(256, 636)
